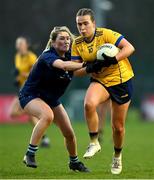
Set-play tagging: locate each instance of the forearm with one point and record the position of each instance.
(72, 66)
(67, 65)
(124, 53)
(80, 72)
(126, 49)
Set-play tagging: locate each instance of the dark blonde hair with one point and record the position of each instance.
(26, 39)
(54, 33)
(86, 11)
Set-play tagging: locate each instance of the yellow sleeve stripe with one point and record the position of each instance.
(79, 40)
(98, 33)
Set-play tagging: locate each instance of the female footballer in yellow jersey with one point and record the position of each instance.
(24, 60)
(113, 81)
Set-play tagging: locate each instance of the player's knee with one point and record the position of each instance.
(89, 106)
(48, 118)
(118, 129)
(13, 114)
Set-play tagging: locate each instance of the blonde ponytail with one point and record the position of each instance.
(48, 44)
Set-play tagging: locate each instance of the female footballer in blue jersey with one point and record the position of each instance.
(113, 81)
(40, 95)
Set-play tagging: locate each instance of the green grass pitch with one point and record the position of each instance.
(138, 153)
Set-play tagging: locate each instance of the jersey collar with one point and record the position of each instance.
(91, 39)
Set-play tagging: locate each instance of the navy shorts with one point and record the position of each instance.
(24, 99)
(121, 93)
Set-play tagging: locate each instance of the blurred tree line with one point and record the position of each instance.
(36, 19)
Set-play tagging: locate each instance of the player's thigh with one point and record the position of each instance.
(62, 120)
(39, 109)
(96, 93)
(119, 113)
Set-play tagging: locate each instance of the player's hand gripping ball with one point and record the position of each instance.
(107, 54)
(107, 49)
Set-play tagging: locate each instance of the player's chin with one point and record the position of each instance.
(84, 35)
(65, 49)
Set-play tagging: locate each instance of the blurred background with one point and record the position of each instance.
(35, 19)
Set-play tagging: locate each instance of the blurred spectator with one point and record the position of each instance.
(147, 108)
(24, 60)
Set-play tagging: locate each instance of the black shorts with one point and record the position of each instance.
(24, 99)
(120, 93)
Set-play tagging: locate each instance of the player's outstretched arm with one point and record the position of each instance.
(67, 65)
(80, 72)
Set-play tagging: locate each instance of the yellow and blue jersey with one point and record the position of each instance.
(109, 76)
(24, 63)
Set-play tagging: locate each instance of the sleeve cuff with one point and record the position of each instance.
(118, 40)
